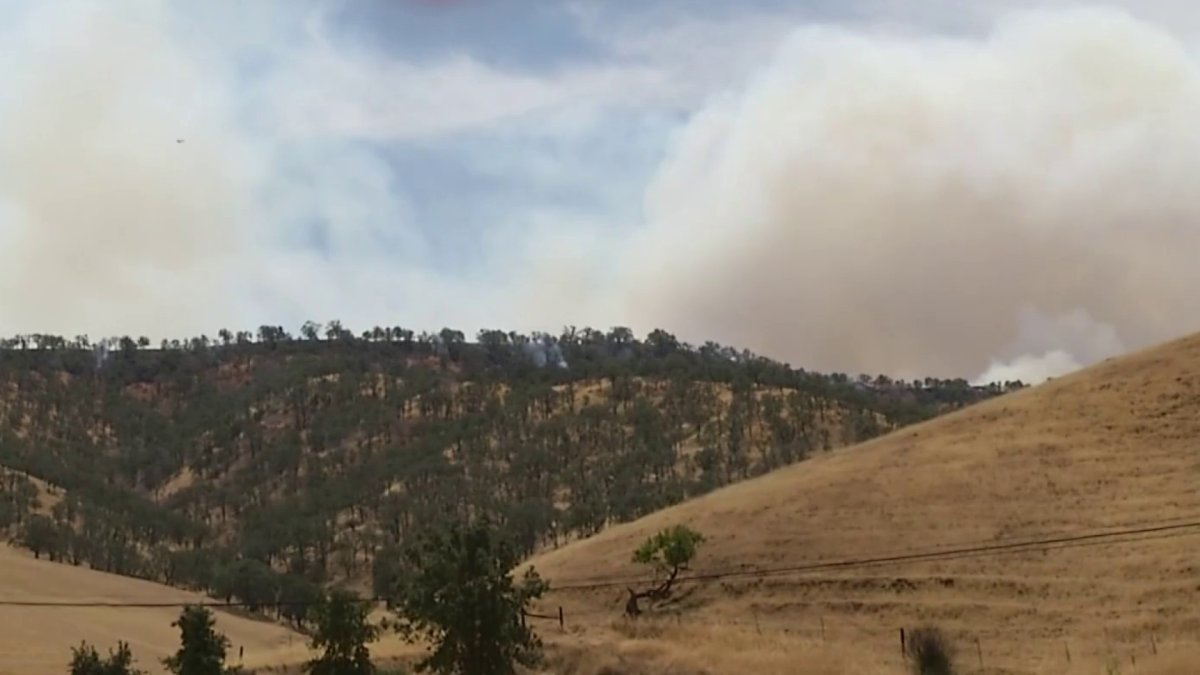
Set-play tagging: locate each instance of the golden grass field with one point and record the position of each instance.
(1114, 445)
(38, 641)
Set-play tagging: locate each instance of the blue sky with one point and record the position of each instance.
(526, 165)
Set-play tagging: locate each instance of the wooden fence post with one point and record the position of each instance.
(1153, 645)
(979, 651)
(562, 624)
(903, 648)
(1068, 648)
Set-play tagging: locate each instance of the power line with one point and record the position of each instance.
(160, 605)
(929, 556)
(1153, 522)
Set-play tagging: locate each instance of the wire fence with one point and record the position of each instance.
(989, 652)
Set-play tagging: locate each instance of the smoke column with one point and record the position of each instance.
(1009, 206)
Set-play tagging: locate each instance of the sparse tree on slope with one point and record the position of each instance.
(342, 633)
(457, 592)
(669, 552)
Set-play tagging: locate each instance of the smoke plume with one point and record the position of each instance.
(1015, 205)
(1006, 206)
(105, 219)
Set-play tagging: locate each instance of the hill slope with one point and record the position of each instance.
(258, 466)
(38, 640)
(1109, 446)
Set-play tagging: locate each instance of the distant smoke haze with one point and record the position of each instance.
(1009, 207)
(544, 351)
(104, 218)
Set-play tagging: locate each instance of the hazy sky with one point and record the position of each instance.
(919, 187)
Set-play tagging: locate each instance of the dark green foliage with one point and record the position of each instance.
(251, 581)
(342, 631)
(299, 595)
(41, 535)
(86, 661)
(670, 551)
(385, 573)
(929, 652)
(456, 591)
(202, 648)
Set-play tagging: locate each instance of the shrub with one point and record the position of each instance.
(86, 661)
(931, 653)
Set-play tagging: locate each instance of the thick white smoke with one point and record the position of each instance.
(105, 219)
(1012, 206)
(1041, 347)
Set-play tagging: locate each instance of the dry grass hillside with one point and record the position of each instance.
(38, 640)
(1114, 445)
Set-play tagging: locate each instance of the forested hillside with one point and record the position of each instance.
(260, 464)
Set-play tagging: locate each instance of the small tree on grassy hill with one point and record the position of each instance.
(669, 552)
(86, 661)
(455, 590)
(202, 648)
(342, 631)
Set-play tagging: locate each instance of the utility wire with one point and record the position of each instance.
(943, 549)
(932, 556)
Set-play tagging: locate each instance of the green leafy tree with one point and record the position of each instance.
(342, 631)
(41, 535)
(86, 661)
(202, 648)
(456, 591)
(669, 552)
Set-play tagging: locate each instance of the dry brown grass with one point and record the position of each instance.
(38, 641)
(661, 648)
(34, 641)
(1110, 446)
